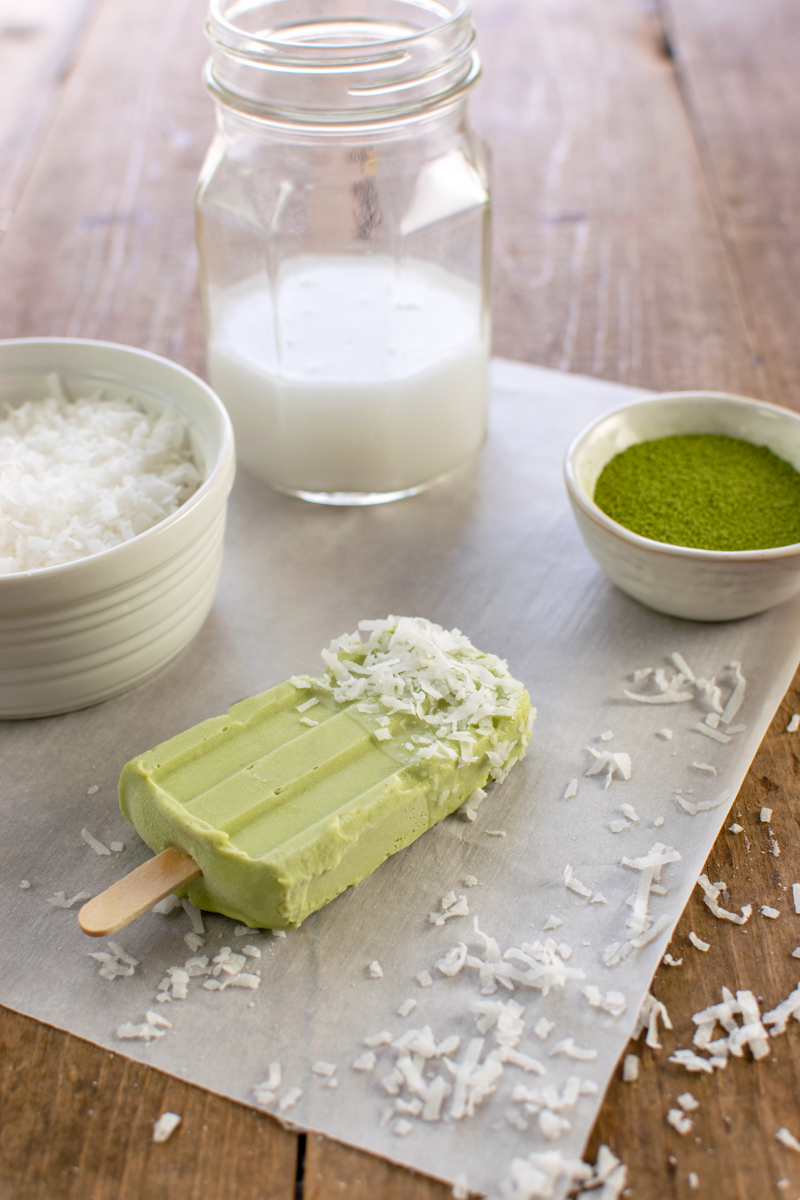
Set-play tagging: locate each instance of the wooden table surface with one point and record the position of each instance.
(645, 180)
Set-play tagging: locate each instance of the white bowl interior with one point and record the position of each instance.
(666, 416)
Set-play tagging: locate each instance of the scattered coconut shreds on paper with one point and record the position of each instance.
(60, 899)
(452, 906)
(97, 846)
(794, 724)
(613, 763)
(684, 686)
(290, 1099)
(574, 884)
(165, 1126)
(698, 942)
(571, 790)
(266, 1092)
(375, 970)
(772, 913)
(694, 807)
(114, 962)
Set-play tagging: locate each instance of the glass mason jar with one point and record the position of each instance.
(343, 228)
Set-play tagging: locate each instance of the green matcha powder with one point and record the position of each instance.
(703, 490)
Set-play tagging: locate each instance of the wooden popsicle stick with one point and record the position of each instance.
(136, 893)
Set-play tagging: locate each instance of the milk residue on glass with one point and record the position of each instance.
(343, 230)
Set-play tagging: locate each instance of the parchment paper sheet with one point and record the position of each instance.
(494, 552)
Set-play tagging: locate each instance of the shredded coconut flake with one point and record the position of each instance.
(575, 885)
(165, 1126)
(97, 846)
(786, 1138)
(80, 476)
(794, 724)
(60, 900)
(630, 1068)
(679, 1122)
(290, 1099)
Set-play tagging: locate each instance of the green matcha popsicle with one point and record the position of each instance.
(302, 791)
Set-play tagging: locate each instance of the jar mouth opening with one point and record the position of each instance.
(321, 39)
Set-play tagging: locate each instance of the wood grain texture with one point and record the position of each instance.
(78, 1124)
(39, 40)
(732, 1148)
(738, 64)
(335, 1170)
(608, 258)
(104, 244)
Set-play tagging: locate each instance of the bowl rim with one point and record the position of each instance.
(668, 549)
(225, 456)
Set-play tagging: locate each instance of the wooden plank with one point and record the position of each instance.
(38, 42)
(104, 246)
(607, 255)
(78, 1124)
(738, 63)
(335, 1170)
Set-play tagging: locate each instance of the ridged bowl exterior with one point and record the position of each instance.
(79, 633)
(702, 585)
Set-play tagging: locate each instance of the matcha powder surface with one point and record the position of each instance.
(703, 490)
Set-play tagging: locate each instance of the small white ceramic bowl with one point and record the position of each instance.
(75, 634)
(703, 585)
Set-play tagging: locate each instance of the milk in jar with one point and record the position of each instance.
(343, 229)
(355, 375)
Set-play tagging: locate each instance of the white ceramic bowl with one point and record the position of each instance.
(704, 585)
(75, 634)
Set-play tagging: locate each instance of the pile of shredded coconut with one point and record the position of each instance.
(410, 665)
(80, 476)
